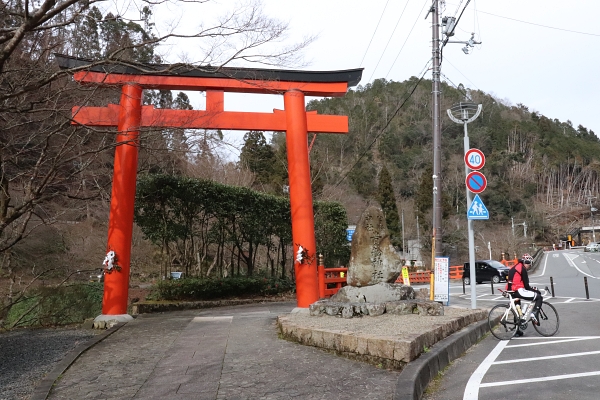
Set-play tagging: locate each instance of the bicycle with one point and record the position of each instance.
(505, 320)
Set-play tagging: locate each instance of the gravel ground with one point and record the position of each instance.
(26, 356)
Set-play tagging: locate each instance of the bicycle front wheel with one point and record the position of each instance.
(549, 321)
(503, 322)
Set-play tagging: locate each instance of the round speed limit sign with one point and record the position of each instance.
(474, 159)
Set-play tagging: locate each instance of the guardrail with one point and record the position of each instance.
(509, 263)
(455, 272)
(331, 280)
(416, 277)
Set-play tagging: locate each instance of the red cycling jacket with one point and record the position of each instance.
(518, 278)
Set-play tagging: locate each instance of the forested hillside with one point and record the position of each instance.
(540, 171)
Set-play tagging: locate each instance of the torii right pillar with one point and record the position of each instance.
(303, 221)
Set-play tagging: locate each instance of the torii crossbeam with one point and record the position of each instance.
(129, 116)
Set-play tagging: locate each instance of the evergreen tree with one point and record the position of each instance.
(258, 156)
(387, 199)
(424, 197)
(85, 41)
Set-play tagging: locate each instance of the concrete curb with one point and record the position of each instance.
(417, 374)
(42, 391)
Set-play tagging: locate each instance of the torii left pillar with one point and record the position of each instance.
(120, 224)
(303, 220)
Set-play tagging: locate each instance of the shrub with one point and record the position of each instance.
(219, 288)
(63, 305)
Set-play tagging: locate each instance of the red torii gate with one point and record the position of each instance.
(129, 116)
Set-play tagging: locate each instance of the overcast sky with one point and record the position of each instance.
(542, 53)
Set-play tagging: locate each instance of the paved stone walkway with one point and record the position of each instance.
(223, 353)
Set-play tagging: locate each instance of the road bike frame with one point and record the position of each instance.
(513, 305)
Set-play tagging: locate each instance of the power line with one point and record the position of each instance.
(377, 27)
(476, 27)
(409, 33)
(423, 72)
(540, 25)
(453, 66)
(389, 40)
(453, 84)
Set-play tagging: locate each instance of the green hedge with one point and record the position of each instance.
(187, 216)
(221, 288)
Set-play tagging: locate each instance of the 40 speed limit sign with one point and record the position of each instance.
(474, 159)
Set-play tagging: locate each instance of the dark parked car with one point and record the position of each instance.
(485, 270)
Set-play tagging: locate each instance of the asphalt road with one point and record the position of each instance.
(533, 367)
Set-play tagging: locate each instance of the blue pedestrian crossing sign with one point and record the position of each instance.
(477, 209)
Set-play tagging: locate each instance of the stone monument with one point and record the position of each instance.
(372, 272)
(372, 258)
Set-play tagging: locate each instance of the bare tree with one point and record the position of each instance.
(53, 171)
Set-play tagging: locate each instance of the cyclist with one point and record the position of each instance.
(518, 280)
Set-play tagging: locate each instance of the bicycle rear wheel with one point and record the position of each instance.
(503, 322)
(549, 321)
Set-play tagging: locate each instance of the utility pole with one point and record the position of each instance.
(403, 244)
(437, 134)
(436, 48)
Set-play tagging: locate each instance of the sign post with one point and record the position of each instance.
(405, 276)
(442, 283)
(463, 113)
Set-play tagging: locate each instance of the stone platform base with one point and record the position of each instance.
(400, 307)
(389, 341)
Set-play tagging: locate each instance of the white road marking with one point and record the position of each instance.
(474, 383)
(555, 337)
(543, 379)
(204, 319)
(571, 263)
(589, 353)
(472, 389)
(551, 341)
(555, 300)
(546, 262)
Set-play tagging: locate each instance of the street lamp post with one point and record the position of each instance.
(463, 113)
(592, 210)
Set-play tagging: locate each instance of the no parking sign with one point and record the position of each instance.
(476, 182)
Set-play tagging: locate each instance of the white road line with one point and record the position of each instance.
(472, 389)
(555, 337)
(581, 301)
(589, 353)
(570, 261)
(548, 342)
(545, 264)
(555, 300)
(543, 379)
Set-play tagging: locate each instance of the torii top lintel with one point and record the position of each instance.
(215, 83)
(241, 80)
